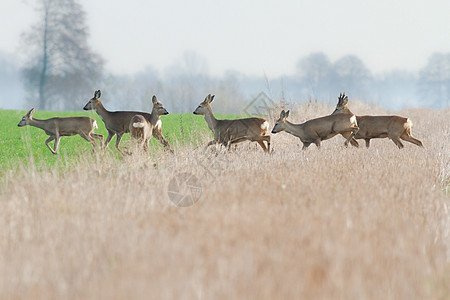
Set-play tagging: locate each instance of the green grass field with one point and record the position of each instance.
(18, 144)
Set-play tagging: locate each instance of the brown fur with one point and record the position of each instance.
(140, 136)
(370, 127)
(58, 127)
(228, 132)
(118, 122)
(317, 130)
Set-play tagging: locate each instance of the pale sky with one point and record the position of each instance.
(253, 37)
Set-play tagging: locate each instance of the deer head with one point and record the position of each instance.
(342, 104)
(280, 125)
(93, 103)
(26, 119)
(158, 107)
(204, 106)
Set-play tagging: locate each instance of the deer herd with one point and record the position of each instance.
(142, 126)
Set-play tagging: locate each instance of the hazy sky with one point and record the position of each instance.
(254, 37)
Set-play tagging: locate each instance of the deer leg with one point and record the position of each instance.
(157, 134)
(267, 139)
(99, 137)
(317, 142)
(367, 143)
(58, 138)
(238, 140)
(119, 137)
(213, 142)
(350, 138)
(411, 139)
(91, 140)
(261, 143)
(305, 145)
(109, 138)
(354, 142)
(51, 138)
(227, 145)
(146, 145)
(261, 140)
(397, 142)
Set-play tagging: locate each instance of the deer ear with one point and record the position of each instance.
(30, 113)
(282, 114)
(212, 98)
(154, 99)
(98, 94)
(287, 114)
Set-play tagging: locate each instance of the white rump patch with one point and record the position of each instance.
(353, 119)
(265, 125)
(408, 123)
(94, 124)
(138, 124)
(158, 124)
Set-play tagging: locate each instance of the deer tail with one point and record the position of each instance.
(138, 124)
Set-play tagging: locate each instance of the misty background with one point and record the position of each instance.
(56, 67)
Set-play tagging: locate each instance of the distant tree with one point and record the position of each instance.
(230, 99)
(187, 82)
(62, 69)
(434, 81)
(148, 83)
(317, 74)
(395, 89)
(352, 76)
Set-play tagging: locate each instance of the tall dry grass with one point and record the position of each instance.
(335, 223)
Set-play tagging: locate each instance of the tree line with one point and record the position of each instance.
(62, 72)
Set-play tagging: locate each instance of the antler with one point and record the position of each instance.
(341, 98)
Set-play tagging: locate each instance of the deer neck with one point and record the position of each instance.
(42, 124)
(294, 129)
(210, 119)
(154, 117)
(101, 111)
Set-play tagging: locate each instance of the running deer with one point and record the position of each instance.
(228, 132)
(317, 130)
(58, 127)
(371, 127)
(118, 122)
(140, 132)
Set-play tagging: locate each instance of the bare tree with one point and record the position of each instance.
(62, 69)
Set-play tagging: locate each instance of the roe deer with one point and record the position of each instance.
(140, 132)
(371, 127)
(58, 127)
(317, 130)
(155, 121)
(118, 122)
(227, 132)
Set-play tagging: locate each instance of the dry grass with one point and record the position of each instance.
(335, 223)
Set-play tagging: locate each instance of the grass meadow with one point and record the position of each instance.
(333, 223)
